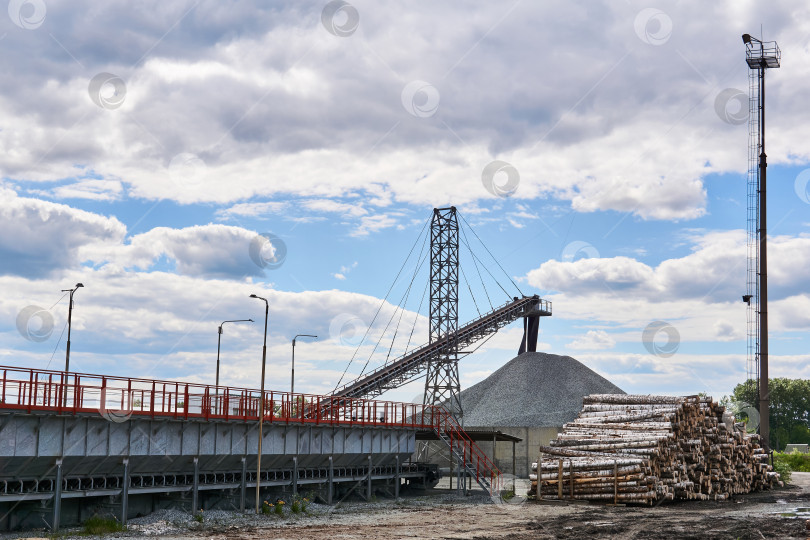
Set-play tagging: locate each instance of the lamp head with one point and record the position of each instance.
(253, 296)
(79, 285)
(251, 320)
(746, 38)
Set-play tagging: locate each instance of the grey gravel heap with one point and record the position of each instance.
(533, 390)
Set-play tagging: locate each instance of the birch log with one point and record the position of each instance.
(646, 449)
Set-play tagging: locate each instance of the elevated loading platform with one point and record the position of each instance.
(77, 435)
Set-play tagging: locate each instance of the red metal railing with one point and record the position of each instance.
(118, 398)
(462, 444)
(40, 390)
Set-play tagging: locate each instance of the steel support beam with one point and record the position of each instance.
(195, 489)
(396, 481)
(764, 393)
(57, 497)
(368, 483)
(331, 489)
(514, 467)
(442, 385)
(243, 485)
(125, 493)
(295, 476)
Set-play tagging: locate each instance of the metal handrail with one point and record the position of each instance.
(484, 467)
(121, 397)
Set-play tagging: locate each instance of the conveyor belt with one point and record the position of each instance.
(407, 367)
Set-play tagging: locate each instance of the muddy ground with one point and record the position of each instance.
(775, 514)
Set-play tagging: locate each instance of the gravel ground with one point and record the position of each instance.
(524, 393)
(775, 514)
(180, 524)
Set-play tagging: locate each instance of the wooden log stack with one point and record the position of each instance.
(647, 449)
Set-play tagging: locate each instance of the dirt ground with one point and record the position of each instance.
(774, 514)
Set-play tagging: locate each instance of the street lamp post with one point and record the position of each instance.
(292, 371)
(261, 402)
(67, 349)
(219, 340)
(70, 318)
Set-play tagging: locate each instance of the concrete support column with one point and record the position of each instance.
(450, 474)
(57, 497)
(195, 490)
(331, 489)
(514, 467)
(125, 493)
(243, 485)
(467, 479)
(295, 477)
(459, 466)
(368, 484)
(396, 481)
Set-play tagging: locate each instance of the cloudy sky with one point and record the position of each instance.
(176, 157)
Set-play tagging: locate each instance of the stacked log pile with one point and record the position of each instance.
(646, 449)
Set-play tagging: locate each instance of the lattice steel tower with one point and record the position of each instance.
(442, 383)
(760, 56)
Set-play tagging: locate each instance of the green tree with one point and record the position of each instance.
(789, 408)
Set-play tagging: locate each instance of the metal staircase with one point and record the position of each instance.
(473, 461)
(401, 370)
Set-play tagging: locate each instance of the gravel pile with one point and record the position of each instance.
(533, 390)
